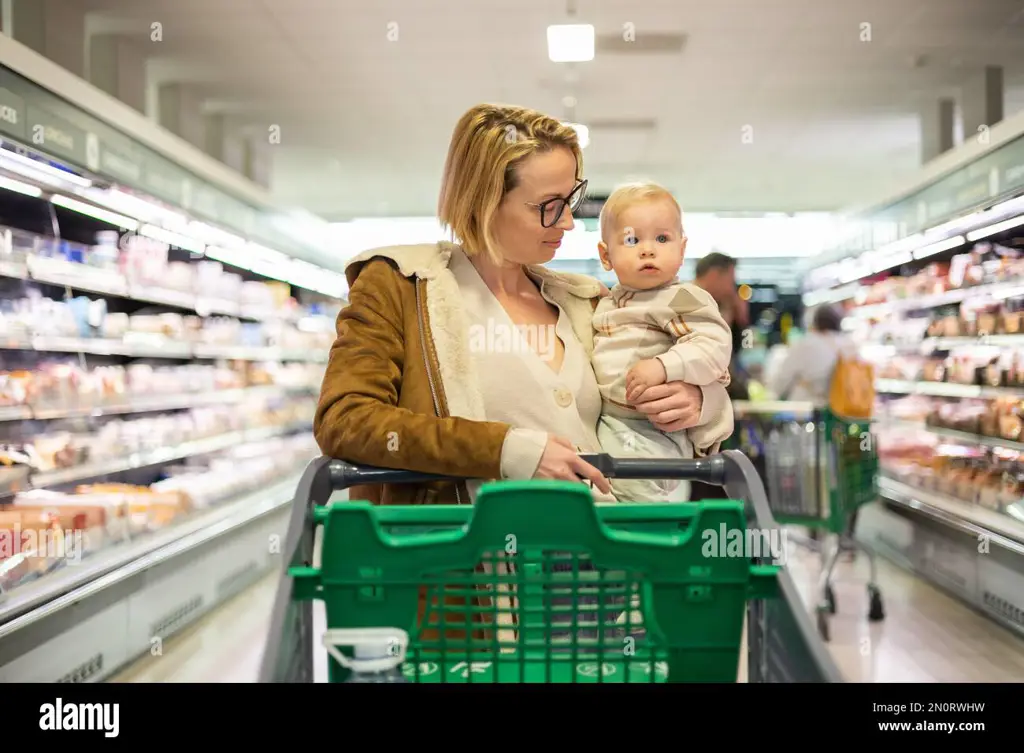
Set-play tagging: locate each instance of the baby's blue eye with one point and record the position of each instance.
(630, 240)
(662, 238)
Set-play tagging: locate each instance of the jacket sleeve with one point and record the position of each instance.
(703, 346)
(358, 418)
(716, 422)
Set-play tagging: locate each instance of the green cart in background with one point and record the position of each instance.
(818, 470)
(537, 583)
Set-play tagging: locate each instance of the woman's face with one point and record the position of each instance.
(521, 237)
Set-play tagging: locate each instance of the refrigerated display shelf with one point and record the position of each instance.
(156, 347)
(127, 603)
(31, 594)
(146, 403)
(933, 344)
(944, 389)
(138, 460)
(957, 436)
(970, 517)
(946, 343)
(993, 291)
(103, 282)
(974, 554)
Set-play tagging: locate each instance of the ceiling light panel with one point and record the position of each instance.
(571, 43)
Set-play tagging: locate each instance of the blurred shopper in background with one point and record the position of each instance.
(716, 273)
(806, 371)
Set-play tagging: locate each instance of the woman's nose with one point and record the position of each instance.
(566, 221)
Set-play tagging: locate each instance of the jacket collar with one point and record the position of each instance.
(427, 260)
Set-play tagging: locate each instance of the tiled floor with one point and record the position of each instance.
(927, 636)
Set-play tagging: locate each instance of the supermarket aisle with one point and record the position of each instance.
(225, 646)
(927, 636)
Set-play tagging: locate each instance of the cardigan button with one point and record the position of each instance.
(563, 397)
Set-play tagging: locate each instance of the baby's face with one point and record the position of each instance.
(646, 249)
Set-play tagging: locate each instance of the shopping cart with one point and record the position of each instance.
(818, 470)
(509, 590)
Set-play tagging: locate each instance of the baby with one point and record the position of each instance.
(653, 329)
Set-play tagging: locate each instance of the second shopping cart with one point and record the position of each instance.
(818, 470)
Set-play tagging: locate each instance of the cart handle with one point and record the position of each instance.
(730, 469)
(709, 470)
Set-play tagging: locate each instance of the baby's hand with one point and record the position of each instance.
(647, 373)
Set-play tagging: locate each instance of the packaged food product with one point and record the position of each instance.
(84, 519)
(1012, 487)
(1011, 423)
(32, 543)
(988, 423)
(980, 320)
(989, 481)
(934, 370)
(1012, 316)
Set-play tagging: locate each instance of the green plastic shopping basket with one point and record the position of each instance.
(537, 583)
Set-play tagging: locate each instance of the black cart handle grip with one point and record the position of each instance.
(708, 470)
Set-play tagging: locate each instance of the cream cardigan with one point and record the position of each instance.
(518, 387)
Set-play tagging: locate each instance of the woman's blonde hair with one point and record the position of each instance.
(488, 143)
(631, 194)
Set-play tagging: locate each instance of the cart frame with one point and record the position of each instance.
(834, 503)
(782, 643)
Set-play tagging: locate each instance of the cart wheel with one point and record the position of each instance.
(823, 625)
(876, 612)
(830, 599)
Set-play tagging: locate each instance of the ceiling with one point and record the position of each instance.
(365, 119)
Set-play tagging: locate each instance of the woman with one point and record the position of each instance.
(805, 372)
(428, 372)
(407, 384)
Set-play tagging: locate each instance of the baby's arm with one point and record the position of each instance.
(703, 347)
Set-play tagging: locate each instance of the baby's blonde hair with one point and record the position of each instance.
(628, 195)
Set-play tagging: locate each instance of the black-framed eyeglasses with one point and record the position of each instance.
(552, 209)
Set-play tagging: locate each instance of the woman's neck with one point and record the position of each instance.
(504, 280)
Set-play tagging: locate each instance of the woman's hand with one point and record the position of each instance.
(671, 407)
(560, 461)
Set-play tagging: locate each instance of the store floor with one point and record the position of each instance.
(927, 636)
(225, 646)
